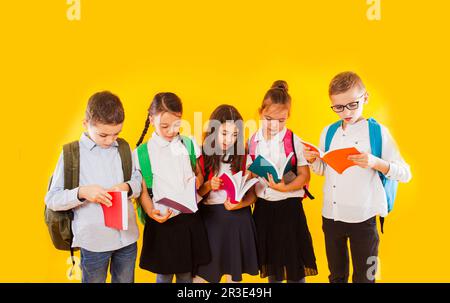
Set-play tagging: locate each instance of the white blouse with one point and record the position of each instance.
(273, 149)
(171, 167)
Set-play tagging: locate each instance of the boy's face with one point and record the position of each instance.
(355, 98)
(167, 125)
(274, 119)
(103, 135)
(228, 134)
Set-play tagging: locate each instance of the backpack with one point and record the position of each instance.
(289, 147)
(376, 146)
(146, 169)
(59, 223)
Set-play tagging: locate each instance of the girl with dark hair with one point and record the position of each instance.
(230, 227)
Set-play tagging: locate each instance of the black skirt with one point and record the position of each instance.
(232, 239)
(285, 248)
(178, 245)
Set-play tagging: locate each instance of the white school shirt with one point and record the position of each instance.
(218, 196)
(171, 167)
(273, 149)
(358, 194)
(101, 166)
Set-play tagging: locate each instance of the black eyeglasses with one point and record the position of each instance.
(350, 106)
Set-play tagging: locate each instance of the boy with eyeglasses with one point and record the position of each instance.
(353, 199)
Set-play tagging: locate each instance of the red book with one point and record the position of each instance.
(236, 185)
(116, 216)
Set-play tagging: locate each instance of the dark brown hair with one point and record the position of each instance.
(222, 114)
(277, 94)
(344, 81)
(162, 102)
(105, 107)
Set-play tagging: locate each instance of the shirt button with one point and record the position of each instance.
(334, 186)
(334, 202)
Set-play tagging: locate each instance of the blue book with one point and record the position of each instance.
(262, 167)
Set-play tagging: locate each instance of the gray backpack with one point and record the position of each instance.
(59, 223)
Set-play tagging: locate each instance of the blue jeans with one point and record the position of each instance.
(273, 280)
(94, 265)
(181, 278)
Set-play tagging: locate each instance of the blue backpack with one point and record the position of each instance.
(376, 145)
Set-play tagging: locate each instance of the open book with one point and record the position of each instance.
(236, 185)
(116, 216)
(262, 167)
(336, 158)
(184, 200)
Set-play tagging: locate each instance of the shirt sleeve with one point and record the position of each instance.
(58, 198)
(399, 170)
(301, 161)
(318, 166)
(136, 160)
(135, 181)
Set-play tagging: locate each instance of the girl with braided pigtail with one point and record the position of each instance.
(174, 243)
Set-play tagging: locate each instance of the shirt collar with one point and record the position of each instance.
(356, 125)
(278, 137)
(161, 141)
(90, 144)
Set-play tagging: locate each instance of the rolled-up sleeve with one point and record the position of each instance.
(58, 198)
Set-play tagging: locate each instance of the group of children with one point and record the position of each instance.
(266, 232)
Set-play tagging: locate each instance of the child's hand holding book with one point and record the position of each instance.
(367, 160)
(338, 159)
(216, 183)
(155, 214)
(95, 194)
(280, 186)
(232, 206)
(310, 154)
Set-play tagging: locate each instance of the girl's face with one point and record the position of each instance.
(355, 98)
(274, 119)
(228, 134)
(103, 135)
(167, 125)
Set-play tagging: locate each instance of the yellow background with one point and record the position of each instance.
(214, 52)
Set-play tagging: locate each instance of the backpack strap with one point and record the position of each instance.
(375, 137)
(146, 171)
(144, 164)
(125, 156)
(71, 152)
(330, 134)
(71, 156)
(289, 147)
(187, 142)
(377, 148)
